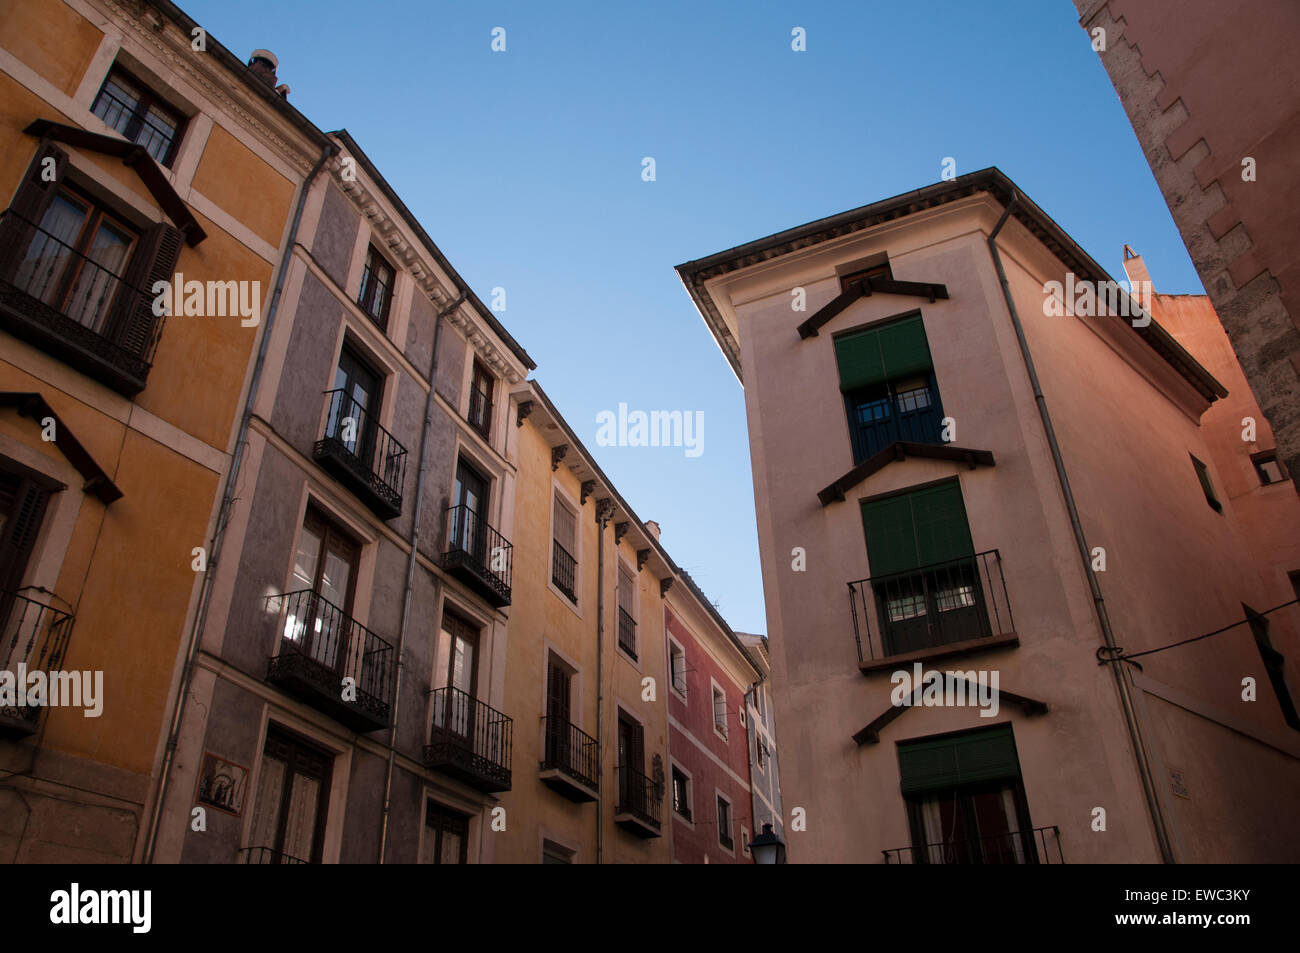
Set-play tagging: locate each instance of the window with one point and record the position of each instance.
(633, 785)
(627, 611)
(681, 794)
(965, 800)
(76, 261)
(924, 573)
(875, 271)
(564, 562)
(757, 695)
(326, 566)
(22, 508)
(744, 840)
(889, 386)
(469, 526)
(554, 853)
(1268, 467)
(354, 406)
(446, 836)
(376, 287)
(292, 795)
(455, 677)
(719, 711)
(762, 753)
(560, 747)
(133, 110)
(1203, 474)
(677, 667)
(724, 823)
(480, 400)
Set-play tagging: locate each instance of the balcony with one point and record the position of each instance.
(912, 415)
(932, 611)
(478, 555)
(320, 647)
(76, 309)
(267, 855)
(569, 764)
(33, 638)
(639, 803)
(362, 455)
(564, 570)
(470, 741)
(1041, 845)
(627, 632)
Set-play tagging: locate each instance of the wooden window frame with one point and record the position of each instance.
(148, 99)
(1207, 485)
(446, 817)
(366, 293)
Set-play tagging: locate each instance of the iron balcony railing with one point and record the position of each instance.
(913, 416)
(33, 638)
(470, 740)
(484, 556)
(77, 308)
(626, 632)
(149, 129)
(564, 570)
(267, 855)
(480, 411)
(321, 645)
(363, 453)
(930, 606)
(569, 749)
(638, 795)
(1041, 845)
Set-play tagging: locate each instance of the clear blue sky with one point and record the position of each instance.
(525, 168)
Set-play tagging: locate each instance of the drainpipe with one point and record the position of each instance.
(227, 501)
(410, 567)
(604, 510)
(1099, 605)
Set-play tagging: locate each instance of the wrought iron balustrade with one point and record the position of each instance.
(470, 740)
(478, 554)
(362, 454)
(33, 638)
(564, 570)
(1041, 845)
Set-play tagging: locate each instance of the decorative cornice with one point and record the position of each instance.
(642, 556)
(146, 26)
(604, 511)
(525, 408)
(557, 454)
(588, 488)
(413, 260)
(620, 530)
(664, 586)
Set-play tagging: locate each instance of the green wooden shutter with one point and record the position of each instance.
(891, 536)
(916, 529)
(859, 360)
(887, 352)
(904, 348)
(939, 517)
(985, 755)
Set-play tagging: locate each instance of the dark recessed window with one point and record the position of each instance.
(724, 823)
(1207, 487)
(875, 271)
(681, 794)
(889, 386)
(376, 287)
(1268, 467)
(446, 836)
(480, 400)
(133, 109)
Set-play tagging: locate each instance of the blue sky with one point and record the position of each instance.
(525, 168)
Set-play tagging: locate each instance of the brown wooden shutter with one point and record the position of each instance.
(155, 258)
(20, 529)
(28, 207)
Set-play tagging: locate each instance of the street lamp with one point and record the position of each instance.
(767, 847)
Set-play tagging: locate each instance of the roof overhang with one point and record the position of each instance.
(696, 274)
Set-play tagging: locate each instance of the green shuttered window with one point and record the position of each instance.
(882, 353)
(985, 755)
(916, 529)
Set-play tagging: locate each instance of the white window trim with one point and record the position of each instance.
(682, 692)
(719, 795)
(690, 794)
(575, 604)
(713, 715)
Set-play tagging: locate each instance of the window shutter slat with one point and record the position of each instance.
(28, 207)
(20, 532)
(891, 537)
(154, 260)
(859, 360)
(986, 755)
(942, 532)
(888, 352)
